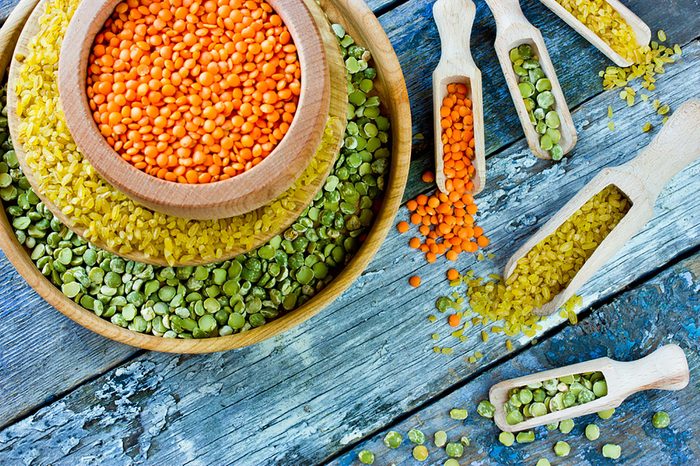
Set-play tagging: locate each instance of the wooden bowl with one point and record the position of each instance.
(238, 195)
(300, 194)
(359, 21)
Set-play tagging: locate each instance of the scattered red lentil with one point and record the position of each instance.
(452, 274)
(428, 177)
(402, 227)
(194, 91)
(414, 281)
(446, 221)
(453, 320)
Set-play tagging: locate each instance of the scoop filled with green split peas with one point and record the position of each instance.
(514, 32)
(639, 180)
(664, 369)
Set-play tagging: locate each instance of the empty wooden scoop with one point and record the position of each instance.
(664, 369)
(640, 28)
(454, 19)
(641, 180)
(513, 29)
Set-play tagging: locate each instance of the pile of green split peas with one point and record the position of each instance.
(536, 90)
(235, 295)
(541, 398)
(455, 450)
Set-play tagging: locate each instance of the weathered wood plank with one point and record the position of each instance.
(38, 340)
(413, 33)
(366, 359)
(666, 309)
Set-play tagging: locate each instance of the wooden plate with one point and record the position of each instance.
(359, 21)
(297, 198)
(212, 201)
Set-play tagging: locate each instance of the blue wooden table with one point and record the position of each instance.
(333, 386)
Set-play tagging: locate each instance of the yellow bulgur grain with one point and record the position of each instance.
(602, 19)
(548, 268)
(107, 216)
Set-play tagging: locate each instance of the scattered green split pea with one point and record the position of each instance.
(661, 420)
(420, 452)
(416, 436)
(486, 409)
(566, 426)
(393, 439)
(440, 438)
(506, 438)
(562, 448)
(366, 457)
(611, 451)
(458, 414)
(592, 432)
(454, 449)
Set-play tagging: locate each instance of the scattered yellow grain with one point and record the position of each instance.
(107, 216)
(611, 125)
(647, 127)
(509, 345)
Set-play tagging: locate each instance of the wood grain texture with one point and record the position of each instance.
(513, 30)
(211, 201)
(367, 359)
(300, 195)
(454, 19)
(676, 146)
(664, 310)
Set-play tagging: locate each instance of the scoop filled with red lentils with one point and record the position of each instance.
(194, 91)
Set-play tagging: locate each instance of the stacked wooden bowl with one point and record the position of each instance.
(321, 99)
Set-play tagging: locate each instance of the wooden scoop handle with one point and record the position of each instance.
(454, 19)
(507, 13)
(664, 369)
(675, 147)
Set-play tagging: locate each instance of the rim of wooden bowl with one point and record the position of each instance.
(392, 87)
(212, 201)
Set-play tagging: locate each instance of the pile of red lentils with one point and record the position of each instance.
(446, 220)
(194, 91)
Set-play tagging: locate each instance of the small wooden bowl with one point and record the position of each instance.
(361, 23)
(222, 199)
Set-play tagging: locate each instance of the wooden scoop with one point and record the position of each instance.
(513, 30)
(641, 179)
(454, 19)
(640, 28)
(664, 369)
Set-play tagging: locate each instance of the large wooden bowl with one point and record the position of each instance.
(238, 195)
(359, 21)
